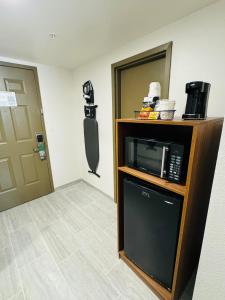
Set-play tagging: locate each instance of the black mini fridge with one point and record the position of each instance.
(151, 228)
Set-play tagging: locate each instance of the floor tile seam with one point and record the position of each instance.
(111, 269)
(108, 233)
(59, 237)
(94, 200)
(80, 231)
(16, 264)
(54, 260)
(17, 208)
(113, 285)
(83, 211)
(35, 219)
(34, 222)
(68, 257)
(102, 274)
(84, 194)
(82, 250)
(91, 223)
(60, 217)
(43, 240)
(108, 213)
(87, 216)
(21, 227)
(59, 214)
(68, 227)
(103, 211)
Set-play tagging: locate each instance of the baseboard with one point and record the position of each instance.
(82, 180)
(111, 198)
(68, 184)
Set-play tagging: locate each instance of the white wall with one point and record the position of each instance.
(61, 120)
(198, 54)
(62, 123)
(210, 281)
(101, 78)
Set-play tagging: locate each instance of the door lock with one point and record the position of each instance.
(40, 146)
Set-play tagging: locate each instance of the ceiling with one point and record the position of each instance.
(84, 29)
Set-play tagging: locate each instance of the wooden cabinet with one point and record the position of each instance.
(202, 138)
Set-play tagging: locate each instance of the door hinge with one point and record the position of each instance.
(42, 111)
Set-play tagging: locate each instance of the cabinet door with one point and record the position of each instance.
(151, 227)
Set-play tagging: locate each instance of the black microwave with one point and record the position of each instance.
(159, 158)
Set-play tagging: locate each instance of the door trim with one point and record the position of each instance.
(162, 51)
(34, 69)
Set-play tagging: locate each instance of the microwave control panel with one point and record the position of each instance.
(175, 163)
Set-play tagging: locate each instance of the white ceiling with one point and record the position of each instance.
(84, 29)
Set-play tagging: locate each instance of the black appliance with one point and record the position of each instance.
(163, 159)
(197, 100)
(151, 228)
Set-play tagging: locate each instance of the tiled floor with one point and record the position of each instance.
(63, 246)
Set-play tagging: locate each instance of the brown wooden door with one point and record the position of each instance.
(23, 176)
(135, 85)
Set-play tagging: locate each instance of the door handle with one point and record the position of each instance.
(163, 171)
(35, 150)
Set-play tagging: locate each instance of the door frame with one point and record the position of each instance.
(162, 51)
(34, 69)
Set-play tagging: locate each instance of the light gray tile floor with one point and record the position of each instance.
(63, 246)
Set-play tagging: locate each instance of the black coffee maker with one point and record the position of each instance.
(197, 100)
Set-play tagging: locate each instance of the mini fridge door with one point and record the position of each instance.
(151, 228)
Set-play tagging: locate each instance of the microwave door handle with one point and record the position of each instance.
(164, 154)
